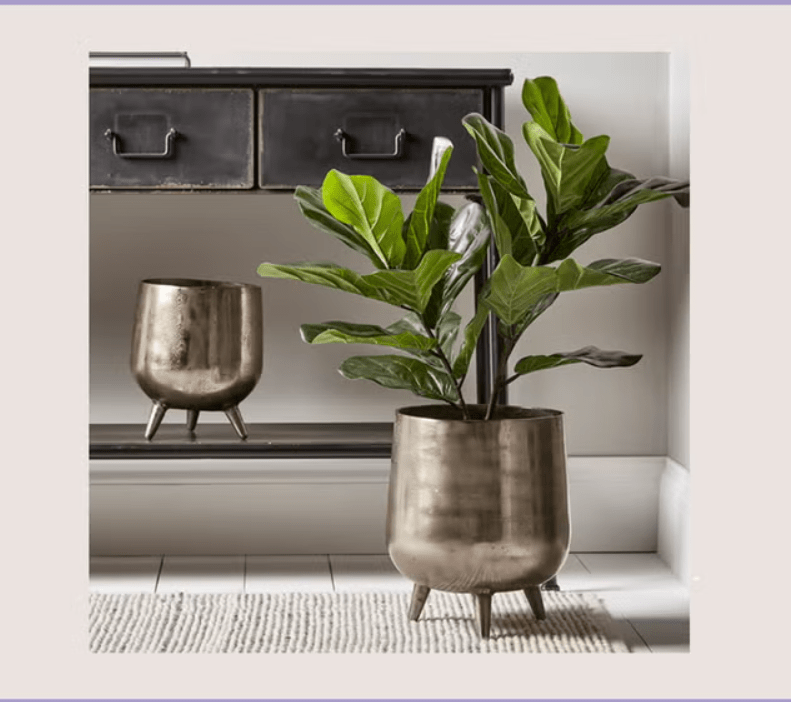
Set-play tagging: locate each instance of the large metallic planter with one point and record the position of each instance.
(478, 506)
(197, 345)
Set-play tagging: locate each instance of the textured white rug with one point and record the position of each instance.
(373, 622)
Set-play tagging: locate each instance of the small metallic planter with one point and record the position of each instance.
(478, 506)
(197, 345)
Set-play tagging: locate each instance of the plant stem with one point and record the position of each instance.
(499, 379)
(440, 354)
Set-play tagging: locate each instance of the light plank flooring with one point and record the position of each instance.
(650, 606)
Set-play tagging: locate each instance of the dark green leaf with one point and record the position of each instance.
(543, 101)
(326, 274)
(568, 171)
(412, 289)
(422, 216)
(471, 334)
(608, 271)
(402, 373)
(590, 355)
(534, 312)
(496, 151)
(624, 194)
(516, 223)
(409, 289)
(371, 209)
(350, 333)
(514, 289)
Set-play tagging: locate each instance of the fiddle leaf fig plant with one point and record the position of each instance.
(424, 260)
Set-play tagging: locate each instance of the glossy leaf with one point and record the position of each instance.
(608, 271)
(543, 101)
(496, 151)
(590, 355)
(625, 195)
(472, 333)
(513, 289)
(568, 171)
(327, 274)
(371, 209)
(534, 312)
(310, 203)
(402, 373)
(515, 222)
(422, 216)
(412, 289)
(409, 289)
(350, 333)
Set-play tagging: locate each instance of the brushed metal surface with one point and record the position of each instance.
(478, 506)
(197, 345)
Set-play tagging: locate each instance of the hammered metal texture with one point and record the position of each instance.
(197, 344)
(478, 506)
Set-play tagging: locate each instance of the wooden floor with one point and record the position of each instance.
(650, 606)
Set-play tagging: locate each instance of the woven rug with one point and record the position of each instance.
(344, 623)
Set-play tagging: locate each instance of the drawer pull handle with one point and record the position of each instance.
(340, 135)
(167, 153)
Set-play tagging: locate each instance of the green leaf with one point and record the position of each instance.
(326, 274)
(590, 355)
(514, 220)
(312, 207)
(412, 289)
(371, 209)
(513, 289)
(607, 271)
(471, 334)
(447, 331)
(542, 100)
(402, 373)
(440, 225)
(496, 151)
(409, 289)
(534, 312)
(468, 236)
(615, 199)
(568, 171)
(350, 333)
(422, 216)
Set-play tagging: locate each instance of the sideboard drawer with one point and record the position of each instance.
(384, 133)
(144, 138)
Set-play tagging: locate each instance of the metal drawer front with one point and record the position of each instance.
(384, 133)
(171, 138)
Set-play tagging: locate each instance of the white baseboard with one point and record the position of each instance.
(673, 537)
(214, 507)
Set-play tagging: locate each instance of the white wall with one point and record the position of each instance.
(225, 236)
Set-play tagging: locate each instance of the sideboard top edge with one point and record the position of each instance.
(318, 77)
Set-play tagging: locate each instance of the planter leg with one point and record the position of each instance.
(192, 419)
(235, 417)
(551, 584)
(484, 602)
(155, 419)
(536, 603)
(419, 597)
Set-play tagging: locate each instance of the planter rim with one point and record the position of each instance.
(195, 283)
(503, 413)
